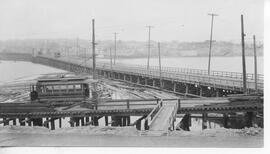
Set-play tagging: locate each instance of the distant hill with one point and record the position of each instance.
(127, 49)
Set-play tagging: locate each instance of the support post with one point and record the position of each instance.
(225, 120)
(106, 121)
(128, 120)
(138, 125)
(186, 89)
(217, 92)
(174, 87)
(86, 119)
(14, 121)
(82, 121)
(127, 104)
(204, 120)
(47, 124)
(60, 122)
(29, 121)
(251, 119)
(21, 121)
(77, 122)
(52, 124)
(124, 120)
(71, 121)
(179, 105)
(201, 91)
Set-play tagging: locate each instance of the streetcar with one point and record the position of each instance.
(62, 87)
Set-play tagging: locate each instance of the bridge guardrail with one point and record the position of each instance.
(198, 78)
(150, 117)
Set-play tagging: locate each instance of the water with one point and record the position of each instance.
(14, 71)
(229, 64)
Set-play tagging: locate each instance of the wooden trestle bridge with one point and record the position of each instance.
(156, 114)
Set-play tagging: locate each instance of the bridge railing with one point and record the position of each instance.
(233, 75)
(232, 79)
(143, 68)
(150, 117)
(186, 77)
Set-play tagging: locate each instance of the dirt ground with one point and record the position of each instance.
(129, 137)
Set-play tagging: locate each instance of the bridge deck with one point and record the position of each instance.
(218, 79)
(161, 121)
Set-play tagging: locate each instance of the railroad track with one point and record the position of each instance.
(36, 111)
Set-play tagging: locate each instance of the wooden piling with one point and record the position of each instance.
(124, 121)
(201, 91)
(21, 121)
(127, 104)
(251, 119)
(47, 124)
(71, 121)
(14, 122)
(154, 83)
(95, 120)
(138, 125)
(186, 89)
(204, 120)
(86, 119)
(128, 120)
(60, 122)
(189, 119)
(82, 121)
(217, 93)
(146, 127)
(29, 121)
(185, 123)
(77, 122)
(52, 124)
(106, 121)
(4, 121)
(37, 122)
(174, 87)
(119, 121)
(225, 120)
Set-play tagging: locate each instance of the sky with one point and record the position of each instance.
(179, 20)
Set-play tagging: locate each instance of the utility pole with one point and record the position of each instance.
(77, 44)
(159, 60)
(114, 47)
(210, 48)
(243, 55)
(93, 49)
(111, 59)
(148, 54)
(85, 60)
(255, 63)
